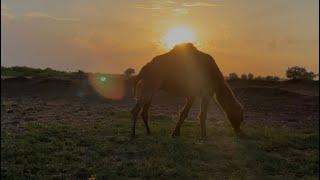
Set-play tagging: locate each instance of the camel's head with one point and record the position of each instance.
(236, 118)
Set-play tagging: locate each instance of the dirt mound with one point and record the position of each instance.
(57, 98)
(55, 81)
(19, 79)
(266, 92)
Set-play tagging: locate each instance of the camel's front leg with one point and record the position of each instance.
(183, 116)
(203, 116)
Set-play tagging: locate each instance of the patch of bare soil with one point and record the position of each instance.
(74, 100)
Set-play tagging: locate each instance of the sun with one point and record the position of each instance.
(177, 35)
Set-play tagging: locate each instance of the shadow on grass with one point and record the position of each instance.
(103, 149)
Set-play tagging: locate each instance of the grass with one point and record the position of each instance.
(103, 150)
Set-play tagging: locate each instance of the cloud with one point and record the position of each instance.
(6, 12)
(140, 6)
(180, 11)
(201, 4)
(42, 15)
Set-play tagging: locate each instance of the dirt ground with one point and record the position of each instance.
(289, 103)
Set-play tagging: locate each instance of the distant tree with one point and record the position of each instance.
(250, 76)
(272, 78)
(259, 78)
(244, 77)
(297, 72)
(129, 72)
(310, 75)
(276, 78)
(233, 76)
(268, 78)
(80, 73)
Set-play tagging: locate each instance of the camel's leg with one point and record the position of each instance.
(203, 115)
(134, 112)
(183, 116)
(145, 116)
(144, 93)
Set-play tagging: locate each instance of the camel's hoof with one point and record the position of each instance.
(133, 135)
(203, 137)
(240, 134)
(175, 134)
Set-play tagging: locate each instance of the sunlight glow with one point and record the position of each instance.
(177, 35)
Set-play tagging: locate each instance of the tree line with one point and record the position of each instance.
(294, 72)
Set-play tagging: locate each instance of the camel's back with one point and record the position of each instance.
(182, 70)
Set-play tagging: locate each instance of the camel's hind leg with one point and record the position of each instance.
(134, 112)
(145, 115)
(183, 116)
(144, 93)
(203, 116)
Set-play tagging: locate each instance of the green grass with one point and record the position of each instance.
(103, 149)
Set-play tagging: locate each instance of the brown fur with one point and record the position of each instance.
(187, 72)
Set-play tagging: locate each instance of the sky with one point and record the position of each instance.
(257, 36)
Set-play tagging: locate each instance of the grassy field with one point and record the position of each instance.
(103, 150)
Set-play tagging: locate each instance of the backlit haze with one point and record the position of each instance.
(262, 37)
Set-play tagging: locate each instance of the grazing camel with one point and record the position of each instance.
(186, 72)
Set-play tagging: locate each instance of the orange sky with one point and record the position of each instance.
(262, 37)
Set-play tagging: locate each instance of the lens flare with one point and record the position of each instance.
(103, 78)
(108, 86)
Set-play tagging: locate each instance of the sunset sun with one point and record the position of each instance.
(177, 35)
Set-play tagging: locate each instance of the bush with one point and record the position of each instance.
(244, 77)
(129, 72)
(297, 72)
(233, 76)
(250, 76)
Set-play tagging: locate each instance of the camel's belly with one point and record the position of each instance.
(186, 89)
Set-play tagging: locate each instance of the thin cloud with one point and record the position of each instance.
(201, 4)
(41, 15)
(148, 7)
(180, 11)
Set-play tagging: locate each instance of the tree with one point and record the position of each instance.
(259, 78)
(129, 72)
(272, 78)
(250, 76)
(244, 77)
(297, 72)
(276, 78)
(233, 76)
(310, 75)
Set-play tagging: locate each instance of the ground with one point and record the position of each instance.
(51, 131)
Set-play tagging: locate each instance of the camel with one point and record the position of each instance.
(186, 72)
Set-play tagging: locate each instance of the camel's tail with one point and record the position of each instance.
(135, 82)
(143, 72)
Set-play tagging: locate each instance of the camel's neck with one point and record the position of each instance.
(226, 98)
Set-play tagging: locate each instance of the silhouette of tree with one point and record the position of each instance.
(129, 72)
(244, 77)
(259, 78)
(233, 76)
(80, 74)
(272, 78)
(297, 72)
(276, 78)
(250, 76)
